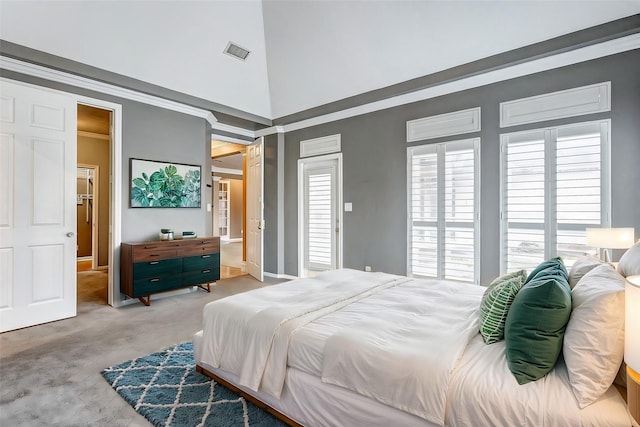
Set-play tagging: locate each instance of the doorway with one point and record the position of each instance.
(320, 213)
(229, 202)
(93, 203)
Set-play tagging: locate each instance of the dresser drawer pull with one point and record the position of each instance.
(205, 256)
(154, 262)
(155, 279)
(206, 271)
(154, 254)
(150, 247)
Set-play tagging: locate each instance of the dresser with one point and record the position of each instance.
(150, 267)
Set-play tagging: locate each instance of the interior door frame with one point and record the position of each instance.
(115, 193)
(339, 211)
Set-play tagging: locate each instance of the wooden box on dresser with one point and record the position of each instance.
(150, 267)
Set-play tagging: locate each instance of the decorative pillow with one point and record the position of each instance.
(629, 264)
(582, 266)
(594, 340)
(495, 305)
(537, 320)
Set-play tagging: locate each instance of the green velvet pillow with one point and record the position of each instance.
(495, 304)
(536, 322)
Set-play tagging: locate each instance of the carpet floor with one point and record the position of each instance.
(165, 388)
(50, 373)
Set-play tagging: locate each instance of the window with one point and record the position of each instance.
(554, 185)
(443, 210)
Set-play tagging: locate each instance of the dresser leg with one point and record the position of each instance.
(208, 287)
(147, 301)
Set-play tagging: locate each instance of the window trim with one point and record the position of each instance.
(550, 223)
(441, 148)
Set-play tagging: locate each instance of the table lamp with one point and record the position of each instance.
(632, 344)
(610, 238)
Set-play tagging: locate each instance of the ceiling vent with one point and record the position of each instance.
(236, 51)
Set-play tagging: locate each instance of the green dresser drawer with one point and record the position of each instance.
(206, 275)
(201, 262)
(160, 267)
(152, 285)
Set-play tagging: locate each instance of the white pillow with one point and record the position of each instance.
(629, 264)
(594, 339)
(582, 266)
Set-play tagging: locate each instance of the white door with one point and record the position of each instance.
(320, 215)
(37, 205)
(255, 205)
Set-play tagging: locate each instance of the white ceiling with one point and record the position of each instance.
(303, 53)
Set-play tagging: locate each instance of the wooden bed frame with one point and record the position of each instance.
(260, 404)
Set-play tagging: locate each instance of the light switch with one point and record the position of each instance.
(348, 207)
(208, 207)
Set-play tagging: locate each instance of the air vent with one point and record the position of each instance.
(236, 51)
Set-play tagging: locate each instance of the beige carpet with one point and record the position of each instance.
(50, 374)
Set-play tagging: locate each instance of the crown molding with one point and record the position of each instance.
(595, 51)
(58, 76)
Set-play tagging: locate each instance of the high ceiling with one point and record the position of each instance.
(303, 53)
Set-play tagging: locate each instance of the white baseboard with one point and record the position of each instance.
(234, 240)
(129, 301)
(280, 276)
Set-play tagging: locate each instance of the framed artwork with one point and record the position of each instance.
(156, 184)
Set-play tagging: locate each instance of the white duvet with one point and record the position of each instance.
(249, 334)
(403, 352)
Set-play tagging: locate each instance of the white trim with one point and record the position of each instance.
(115, 194)
(270, 131)
(226, 170)
(228, 128)
(323, 145)
(440, 150)
(573, 102)
(339, 204)
(280, 276)
(448, 124)
(280, 202)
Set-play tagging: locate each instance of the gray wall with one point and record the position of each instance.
(154, 133)
(270, 212)
(374, 163)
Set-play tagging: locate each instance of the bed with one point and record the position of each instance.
(349, 348)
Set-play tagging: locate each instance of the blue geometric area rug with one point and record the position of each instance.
(165, 388)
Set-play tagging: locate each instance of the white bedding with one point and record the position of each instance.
(481, 390)
(405, 343)
(248, 334)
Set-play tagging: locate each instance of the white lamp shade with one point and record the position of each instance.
(632, 323)
(610, 238)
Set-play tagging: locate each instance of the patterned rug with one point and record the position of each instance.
(165, 388)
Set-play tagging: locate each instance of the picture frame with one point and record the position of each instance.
(157, 184)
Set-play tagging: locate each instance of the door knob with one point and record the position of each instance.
(70, 234)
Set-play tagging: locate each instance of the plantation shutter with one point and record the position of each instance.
(524, 211)
(579, 187)
(320, 219)
(443, 210)
(554, 187)
(460, 212)
(424, 212)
